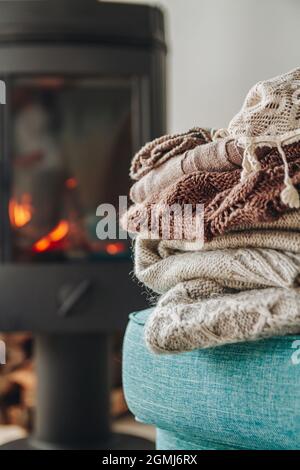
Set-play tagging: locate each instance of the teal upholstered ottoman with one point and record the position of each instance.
(242, 396)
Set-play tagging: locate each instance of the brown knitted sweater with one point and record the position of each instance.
(160, 150)
(219, 155)
(228, 202)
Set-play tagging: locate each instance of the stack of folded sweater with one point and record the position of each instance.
(238, 278)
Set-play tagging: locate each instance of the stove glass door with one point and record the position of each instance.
(71, 148)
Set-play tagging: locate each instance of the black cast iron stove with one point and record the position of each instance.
(85, 87)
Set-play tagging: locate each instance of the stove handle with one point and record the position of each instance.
(70, 296)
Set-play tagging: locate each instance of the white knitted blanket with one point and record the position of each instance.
(221, 295)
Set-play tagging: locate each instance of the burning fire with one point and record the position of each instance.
(20, 213)
(53, 237)
(115, 248)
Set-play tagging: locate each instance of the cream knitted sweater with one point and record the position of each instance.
(237, 288)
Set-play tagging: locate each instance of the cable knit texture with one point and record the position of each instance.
(220, 296)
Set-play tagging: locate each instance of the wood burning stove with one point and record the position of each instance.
(85, 87)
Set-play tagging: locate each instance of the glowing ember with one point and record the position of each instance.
(59, 232)
(115, 248)
(42, 245)
(53, 237)
(20, 213)
(71, 183)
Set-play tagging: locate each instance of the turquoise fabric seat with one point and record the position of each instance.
(241, 396)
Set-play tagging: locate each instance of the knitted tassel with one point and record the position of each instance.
(289, 195)
(250, 162)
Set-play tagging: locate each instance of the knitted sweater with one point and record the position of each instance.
(243, 283)
(221, 294)
(228, 202)
(220, 155)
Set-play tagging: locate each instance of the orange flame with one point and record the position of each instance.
(20, 213)
(115, 248)
(42, 245)
(57, 234)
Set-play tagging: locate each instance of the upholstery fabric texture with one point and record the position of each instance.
(241, 396)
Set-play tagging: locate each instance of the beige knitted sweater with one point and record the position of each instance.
(239, 287)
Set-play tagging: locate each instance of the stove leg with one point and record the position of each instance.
(73, 390)
(73, 396)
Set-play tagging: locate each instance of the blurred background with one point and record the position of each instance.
(215, 52)
(219, 49)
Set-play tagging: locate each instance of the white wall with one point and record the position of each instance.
(220, 48)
